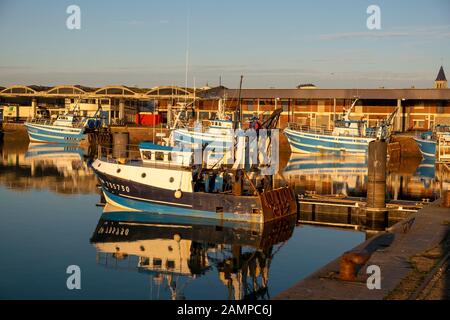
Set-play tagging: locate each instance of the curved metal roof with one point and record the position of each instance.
(168, 91)
(69, 90)
(19, 90)
(117, 91)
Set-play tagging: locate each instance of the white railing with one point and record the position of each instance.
(43, 121)
(131, 154)
(309, 129)
(40, 121)
(370, 133)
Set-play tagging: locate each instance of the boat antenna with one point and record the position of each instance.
(188, 22)
(240, 102)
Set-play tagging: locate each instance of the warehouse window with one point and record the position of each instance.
(250, 106)
(285, 104)
(418, 124)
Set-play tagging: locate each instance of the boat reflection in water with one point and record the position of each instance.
(60, 168)
(410, 179)
(175, 250)
(330, 175)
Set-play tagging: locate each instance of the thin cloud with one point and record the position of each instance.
(403, 32)
(367, 35)
(14, 68)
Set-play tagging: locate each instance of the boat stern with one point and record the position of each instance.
(278, 203)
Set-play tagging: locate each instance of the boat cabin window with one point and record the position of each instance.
(159, 156)
(157, 263)
(170, 264)
(147, 155)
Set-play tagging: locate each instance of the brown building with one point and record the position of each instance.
(420, 109)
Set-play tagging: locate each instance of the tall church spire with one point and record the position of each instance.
(441, 80)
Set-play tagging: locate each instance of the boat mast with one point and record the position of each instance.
(349, 111)
(239, 116)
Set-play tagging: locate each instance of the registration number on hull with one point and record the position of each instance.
(116, 186)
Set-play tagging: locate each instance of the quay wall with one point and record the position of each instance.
(406, 247)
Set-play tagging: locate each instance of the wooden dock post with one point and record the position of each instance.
(376, 211)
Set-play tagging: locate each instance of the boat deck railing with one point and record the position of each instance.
(46, 121)
(131, 155)
(370, 132)
(43, 121)
(309, 129)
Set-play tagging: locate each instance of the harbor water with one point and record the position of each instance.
(51, 221)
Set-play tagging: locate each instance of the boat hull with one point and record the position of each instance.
(54, 134)
(427, 148)
(306, 142)
(138, 194)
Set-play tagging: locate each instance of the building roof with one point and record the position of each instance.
(68, 90)
(118, 90)
(441, 75)
(20, 90)
(213, 93)
(386, 94)
(39, 88)
(169, 91)
(306, 85)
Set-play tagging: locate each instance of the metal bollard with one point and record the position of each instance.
(349, 261)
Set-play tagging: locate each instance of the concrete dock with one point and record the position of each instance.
(409, 254)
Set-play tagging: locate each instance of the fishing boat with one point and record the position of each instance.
(68, 128)
(428, 141)
(427, 145)
(167, 180)
(219, 130)
(348, 136)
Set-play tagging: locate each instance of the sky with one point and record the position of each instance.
(278, 44)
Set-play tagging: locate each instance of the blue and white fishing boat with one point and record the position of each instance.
(427, 145)
(428, 141)
(67, 128)
(167, 181)
(220, 131)
(348, 136)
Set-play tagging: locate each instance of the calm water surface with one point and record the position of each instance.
(50, 220)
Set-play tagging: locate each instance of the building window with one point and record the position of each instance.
(285, 105)
(418, 124)
(250, 105)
